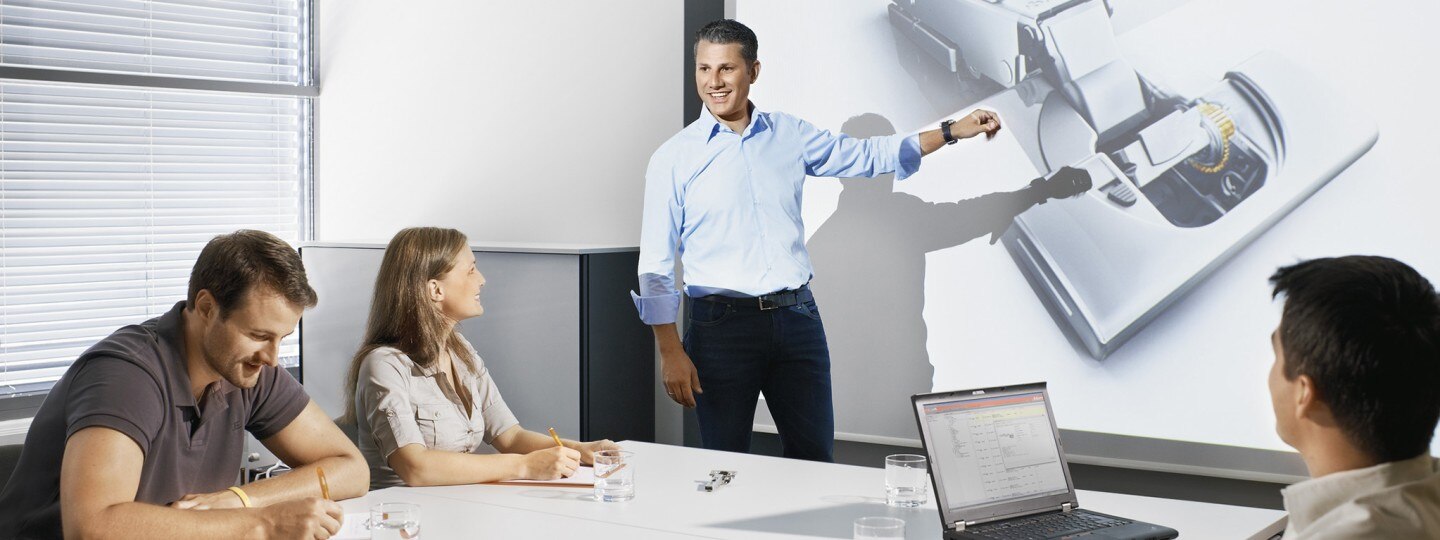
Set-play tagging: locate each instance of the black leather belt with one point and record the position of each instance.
(766, 302)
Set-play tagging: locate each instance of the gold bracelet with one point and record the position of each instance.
(244, 499)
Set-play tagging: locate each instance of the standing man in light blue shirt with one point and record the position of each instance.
(725, 194)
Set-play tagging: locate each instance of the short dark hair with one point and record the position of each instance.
(726, 31)
(232, 264)
(1366, 330)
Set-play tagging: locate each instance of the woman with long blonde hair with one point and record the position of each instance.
(421, 399)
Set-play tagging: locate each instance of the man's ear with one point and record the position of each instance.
(1308, 405)
(205, 306)
(754, 71)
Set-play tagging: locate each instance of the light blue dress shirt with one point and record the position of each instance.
(729, 204)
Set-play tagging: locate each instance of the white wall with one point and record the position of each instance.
(511, 121)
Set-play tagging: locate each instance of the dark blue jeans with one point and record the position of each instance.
(742, 352)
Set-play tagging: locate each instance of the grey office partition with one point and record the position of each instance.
(559, 333)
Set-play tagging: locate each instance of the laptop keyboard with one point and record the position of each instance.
(1055, 525)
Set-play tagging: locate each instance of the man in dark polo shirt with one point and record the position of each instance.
(142, 436)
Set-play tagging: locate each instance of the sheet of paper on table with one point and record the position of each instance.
(583, 477)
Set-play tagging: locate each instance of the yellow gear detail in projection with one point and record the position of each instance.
(1217, 117)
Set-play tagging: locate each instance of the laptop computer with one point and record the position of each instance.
(999, 470)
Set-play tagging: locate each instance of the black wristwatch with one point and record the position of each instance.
(945, 131)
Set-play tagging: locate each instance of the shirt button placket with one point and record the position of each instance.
(755, 203)
(754, 192)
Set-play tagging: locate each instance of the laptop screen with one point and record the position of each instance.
(991, 450)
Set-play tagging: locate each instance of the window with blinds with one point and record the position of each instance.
(234, 40)
(108, 192)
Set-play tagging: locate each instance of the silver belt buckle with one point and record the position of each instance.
(763, 307)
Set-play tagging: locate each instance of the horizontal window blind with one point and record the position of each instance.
(262, 41)
(107, 195)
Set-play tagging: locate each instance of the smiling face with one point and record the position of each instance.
(456, 293)
(723, 79)
(236, 345)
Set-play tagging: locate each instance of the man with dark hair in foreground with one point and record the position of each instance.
(1356, 390)
(142, 436)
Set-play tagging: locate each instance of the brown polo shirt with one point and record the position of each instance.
(134, 382)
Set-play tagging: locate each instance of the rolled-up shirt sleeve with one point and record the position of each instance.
(843, 156)
(384, 399)
(658, 301)
(910, 155)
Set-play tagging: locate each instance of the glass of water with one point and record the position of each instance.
(906, 482)
(394, 521)
(879, 527)
(614, 475)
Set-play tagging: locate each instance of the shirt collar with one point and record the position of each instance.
(424, 371)
(170, 329)
(433, 369)
(708, 124)
(1310, 500)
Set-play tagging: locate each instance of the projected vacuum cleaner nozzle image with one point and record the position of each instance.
(1183, 180)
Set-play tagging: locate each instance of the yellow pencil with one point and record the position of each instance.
(556, 437)
(324, 486)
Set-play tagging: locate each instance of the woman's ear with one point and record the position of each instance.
(437, 293)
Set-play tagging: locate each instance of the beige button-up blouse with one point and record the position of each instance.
(398, 403)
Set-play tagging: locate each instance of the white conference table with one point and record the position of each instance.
(771, 498)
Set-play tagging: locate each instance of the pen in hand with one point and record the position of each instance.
(556, 437)
(558, 443)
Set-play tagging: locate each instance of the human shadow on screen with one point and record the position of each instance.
(869, 260)
(838, 521)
